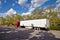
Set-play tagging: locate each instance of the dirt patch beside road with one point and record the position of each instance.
(56, 33)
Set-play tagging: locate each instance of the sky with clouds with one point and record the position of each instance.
(24, 7)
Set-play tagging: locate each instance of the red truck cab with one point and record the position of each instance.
(17, 24)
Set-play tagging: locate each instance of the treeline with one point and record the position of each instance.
(10, 20)
(38, 13)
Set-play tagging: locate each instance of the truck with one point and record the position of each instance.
(36, 23)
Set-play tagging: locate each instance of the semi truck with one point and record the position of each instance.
(36, 23)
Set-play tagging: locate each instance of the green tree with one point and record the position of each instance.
(2, 21)
(37, 13)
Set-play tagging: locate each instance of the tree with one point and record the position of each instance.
(37, 13)
(8, 20)
(2, 21)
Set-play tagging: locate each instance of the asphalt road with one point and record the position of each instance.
(26, 34)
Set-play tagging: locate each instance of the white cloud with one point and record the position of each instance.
(34, 3)
(37, 3)
(11, 12)
(32, 6)
(21, 2)
(29, 12)
(31, 9)
(57, 5)
(2, 15)
(57, 1)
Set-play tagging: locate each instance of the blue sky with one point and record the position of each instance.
(24, 6)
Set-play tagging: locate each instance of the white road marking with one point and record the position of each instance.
(8, 31)
(15, 31)
(34, 34)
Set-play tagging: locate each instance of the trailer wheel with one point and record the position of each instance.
(32, 27)
(22, 26)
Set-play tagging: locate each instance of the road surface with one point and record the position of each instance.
(27, 34)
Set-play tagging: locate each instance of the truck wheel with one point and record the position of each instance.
(22, 26)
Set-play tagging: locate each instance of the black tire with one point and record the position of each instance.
(22, 26)
(32, 27)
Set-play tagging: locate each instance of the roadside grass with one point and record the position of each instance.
(55, 28)
(11, 26)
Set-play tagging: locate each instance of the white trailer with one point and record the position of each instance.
(39, 23)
